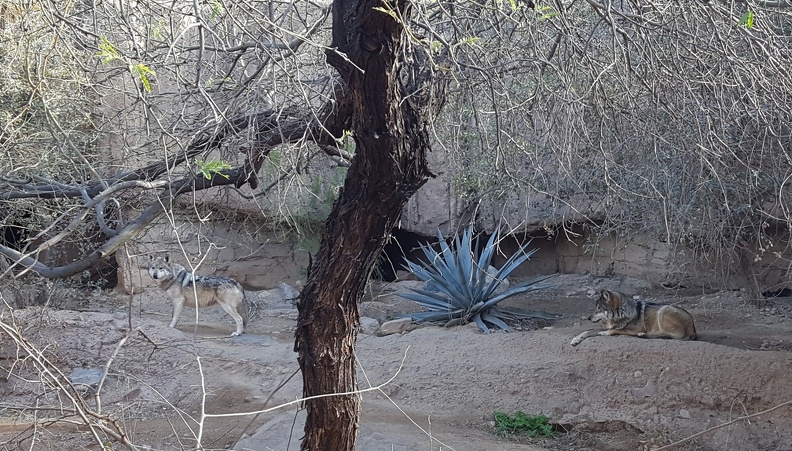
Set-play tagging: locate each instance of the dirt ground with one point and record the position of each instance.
(171, 389)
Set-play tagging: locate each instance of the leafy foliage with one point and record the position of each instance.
(520, 423)
(209, 168)
(107, 51)
(461, 285)
(747, 19)
(145, 73)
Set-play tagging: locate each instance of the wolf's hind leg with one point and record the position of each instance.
(240, 322)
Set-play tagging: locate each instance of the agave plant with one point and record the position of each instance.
(462, 286)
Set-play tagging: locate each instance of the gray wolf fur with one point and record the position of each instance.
(621, 315)
(182, 287)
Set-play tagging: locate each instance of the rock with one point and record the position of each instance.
(683, 413)
(288, 293)
(432, 286)
(376, 310)
(403, 275)
(130, 280)
(368, 326)
(493, 271)
(86, 378)
(131, 395)
(707, 400)
(248, 339)
(432, 207)
(395, 326)
(647, 391)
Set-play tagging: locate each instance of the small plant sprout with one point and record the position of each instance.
(462, 286)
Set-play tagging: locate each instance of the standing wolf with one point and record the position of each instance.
(184, 288)
(623, 316)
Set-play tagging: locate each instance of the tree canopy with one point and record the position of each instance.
(620, 115)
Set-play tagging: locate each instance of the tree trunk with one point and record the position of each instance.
(388, 167)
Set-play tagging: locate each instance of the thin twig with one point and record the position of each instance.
(326, 395)
(269, 398)
(106, 369)
(728, 423)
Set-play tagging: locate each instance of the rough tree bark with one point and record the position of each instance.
(391, 137)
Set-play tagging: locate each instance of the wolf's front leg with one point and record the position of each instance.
(177, 308)
(576, 341)
(609, 332)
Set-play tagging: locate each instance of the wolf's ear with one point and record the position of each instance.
(151, 258)
(167, 258)
(607, 295)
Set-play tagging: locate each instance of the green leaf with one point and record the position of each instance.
(209, 168)
(747, 19)
(144, 72)
(156, 30)
(546, 12)
(107, 52)
(217, 9)
(471, 41)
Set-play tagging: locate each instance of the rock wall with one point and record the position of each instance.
(645, 257)
(244, 246)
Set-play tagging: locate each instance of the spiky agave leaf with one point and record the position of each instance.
(449, 270)
(480, 323)
(495, 320)
(459, 262)
(511, 264)
(447, 291)
(464, 286)
(532, 284)
(437, 316)
(484, 263)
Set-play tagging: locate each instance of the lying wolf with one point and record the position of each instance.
(623, 316)
(199, 291)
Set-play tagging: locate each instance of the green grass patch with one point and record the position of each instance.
(522, 424)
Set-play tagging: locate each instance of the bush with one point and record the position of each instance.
(461, 285)
(520, 423)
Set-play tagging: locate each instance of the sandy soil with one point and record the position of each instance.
(609, 393)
